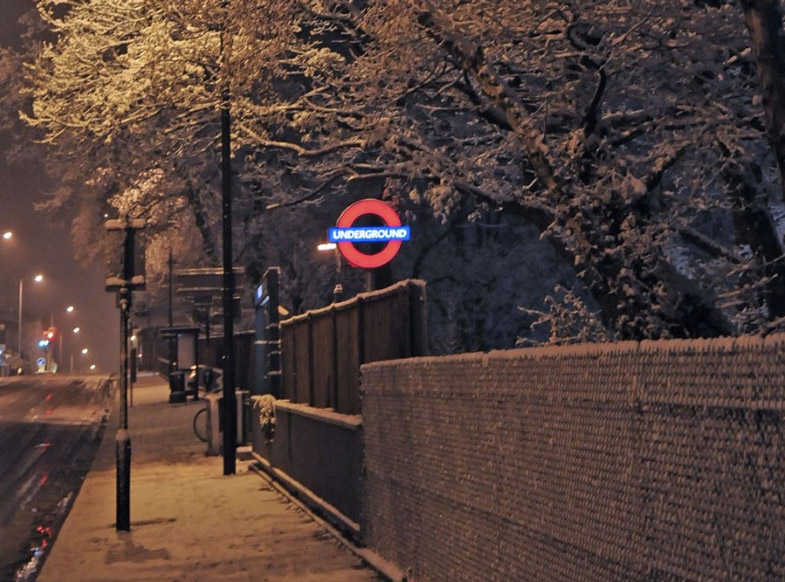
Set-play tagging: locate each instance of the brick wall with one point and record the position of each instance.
(646, 461)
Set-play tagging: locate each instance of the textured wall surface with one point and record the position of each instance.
(646, 461)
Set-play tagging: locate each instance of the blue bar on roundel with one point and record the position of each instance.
(369, 234)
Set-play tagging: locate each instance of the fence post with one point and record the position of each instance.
(311, 395)
(418, 322)
(333, 397)
(289, 362)
(360, 331)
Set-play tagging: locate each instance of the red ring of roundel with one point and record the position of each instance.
(378, 208)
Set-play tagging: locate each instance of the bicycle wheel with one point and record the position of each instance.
(200, 434)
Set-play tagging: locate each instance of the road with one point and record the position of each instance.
(50, 426)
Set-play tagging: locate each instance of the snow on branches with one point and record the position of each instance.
(632, 135)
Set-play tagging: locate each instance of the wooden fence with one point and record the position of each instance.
(322, 350)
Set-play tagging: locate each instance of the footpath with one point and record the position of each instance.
(189, 522)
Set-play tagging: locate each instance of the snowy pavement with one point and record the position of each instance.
(189, 523)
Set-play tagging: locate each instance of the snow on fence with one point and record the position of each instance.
(618, 462)
(322, 350)
(316, 449)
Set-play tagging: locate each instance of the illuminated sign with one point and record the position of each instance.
(261, 297)
(369, 234)
(392, 233)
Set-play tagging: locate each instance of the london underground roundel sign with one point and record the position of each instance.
(392, 233)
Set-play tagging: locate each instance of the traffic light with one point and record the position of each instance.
(49, 336)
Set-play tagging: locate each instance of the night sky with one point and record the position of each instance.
(42, 245)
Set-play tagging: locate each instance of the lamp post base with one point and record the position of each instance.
(123, 466)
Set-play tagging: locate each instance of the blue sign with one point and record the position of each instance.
(260, 296)
(369, 234)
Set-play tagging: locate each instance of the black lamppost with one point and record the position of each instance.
(229, 405)
(124, 279)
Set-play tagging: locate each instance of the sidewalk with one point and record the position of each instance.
(189, 522)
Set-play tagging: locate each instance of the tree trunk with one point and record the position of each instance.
(754, 227)
(764, 23)
(202, 224)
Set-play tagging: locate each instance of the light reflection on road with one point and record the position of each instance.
(48, 436)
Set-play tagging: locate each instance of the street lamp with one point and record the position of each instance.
(60, 355)
(71, 350)
(38, 278)
(80, 367)
(8, 235)
(338, 289)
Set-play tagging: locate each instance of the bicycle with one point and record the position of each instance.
(198, 423)
(201, 436)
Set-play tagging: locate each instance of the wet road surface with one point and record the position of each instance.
(50, 426)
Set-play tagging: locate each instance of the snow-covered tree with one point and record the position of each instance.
(633, 136)
(627, 133)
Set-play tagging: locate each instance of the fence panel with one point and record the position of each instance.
(322, 350)
(289, 362)
(386, 327)
(348, 361)
(323, 357)
(302, 368)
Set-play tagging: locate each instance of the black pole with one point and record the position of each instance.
(171, 340)
(229, 406)
(124, 280)
(338, 289)
(209, 356)
(171, 289)
(131, 361)
(123, 439)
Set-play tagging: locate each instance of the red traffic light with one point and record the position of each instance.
(50, 333)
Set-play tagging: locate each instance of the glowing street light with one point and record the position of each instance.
(38, 278)
(76, 330)
(84, 351)
(8, 235)
(70, 309)
(92, 367)
(338, 289)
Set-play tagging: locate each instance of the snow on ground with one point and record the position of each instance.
(189, 522)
